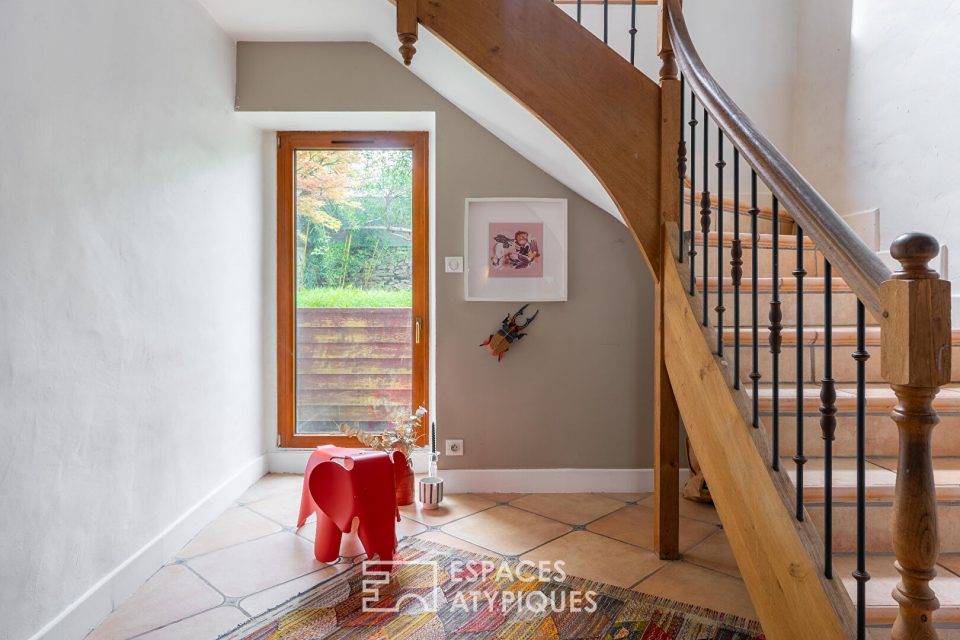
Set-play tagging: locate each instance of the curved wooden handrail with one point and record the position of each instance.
(860, 267)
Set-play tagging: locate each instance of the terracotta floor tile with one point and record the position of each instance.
(235, 525)
(253, 566)
(690, 509)
(594, 557)
(283, 508)
(506, 530)
(628, 497)
(269, 598)
(173, 593)
(572, 508)
(448, 540)
(685, 582)
(634, 524)
(500, 497)
(453, 507)
(271, 485)
(210, 624)
(714, 553)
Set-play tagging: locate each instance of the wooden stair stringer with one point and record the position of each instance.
(601, 106)
(779, 558)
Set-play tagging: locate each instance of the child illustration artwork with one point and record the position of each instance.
(515, 250)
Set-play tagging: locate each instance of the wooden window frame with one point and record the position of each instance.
(288, 142)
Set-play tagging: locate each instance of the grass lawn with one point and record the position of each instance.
(351, 298)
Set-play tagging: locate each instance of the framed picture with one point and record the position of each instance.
(515, 249)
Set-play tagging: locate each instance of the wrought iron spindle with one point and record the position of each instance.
(720, 308)
(828, 419)
(682, 159)
(633, 31)
(775, 327)
(579, 12)
(754, 311)
(860, 575)
(606, 21)
(692, 250)
(736, 267)
(798, 457)
(705, 217)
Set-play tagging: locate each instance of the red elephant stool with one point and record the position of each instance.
(342, 484)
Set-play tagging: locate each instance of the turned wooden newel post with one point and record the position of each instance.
(407, 29)
(915, 360)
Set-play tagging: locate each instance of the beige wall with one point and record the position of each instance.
(577, 391)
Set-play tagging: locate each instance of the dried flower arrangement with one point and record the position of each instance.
(402, 436)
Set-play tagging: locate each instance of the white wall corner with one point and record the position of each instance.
(866, 224)
(102, 598)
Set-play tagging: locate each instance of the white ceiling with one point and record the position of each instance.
(435, 63)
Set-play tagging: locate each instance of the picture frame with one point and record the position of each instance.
(515, 250)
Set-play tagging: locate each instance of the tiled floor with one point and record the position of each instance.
(251, 558)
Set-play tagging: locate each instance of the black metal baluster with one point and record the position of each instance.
(861, 575)
(754, 311)
(682, 158)
(692, 250)
(606, 21)
(720, 308)
(579, 12)
(798, 457)
(705, 218)
(775, 327)
(828, 419)
(736, 267)
(633, 31)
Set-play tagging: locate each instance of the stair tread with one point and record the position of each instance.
(880, 476)
(786, 284)
(879, 397)
(816, 334)
(764, 240)
(881, 607)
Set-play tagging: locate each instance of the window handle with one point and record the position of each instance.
(418, 327)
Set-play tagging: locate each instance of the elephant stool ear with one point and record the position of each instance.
(332, 490)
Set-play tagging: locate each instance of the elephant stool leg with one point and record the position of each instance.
(326, 545)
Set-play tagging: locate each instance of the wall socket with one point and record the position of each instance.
(454, 447)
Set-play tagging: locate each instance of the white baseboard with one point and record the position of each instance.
(102, 598)
(550, 480)
(505, 480)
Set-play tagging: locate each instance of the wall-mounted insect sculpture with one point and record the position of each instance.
(499, 343)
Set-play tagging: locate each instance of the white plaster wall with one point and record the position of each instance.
(130, 287)
(876, 88)
(748, 45)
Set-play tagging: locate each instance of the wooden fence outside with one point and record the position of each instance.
(354, 367)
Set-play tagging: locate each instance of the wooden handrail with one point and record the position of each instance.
(860, 266)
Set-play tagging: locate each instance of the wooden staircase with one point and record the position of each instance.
(883, 437)
(891, 340)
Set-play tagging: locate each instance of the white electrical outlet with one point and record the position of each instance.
(453, 264)
(454, 447)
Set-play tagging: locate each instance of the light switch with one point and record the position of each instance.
(453, 264)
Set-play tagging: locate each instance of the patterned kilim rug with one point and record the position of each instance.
(439, 593)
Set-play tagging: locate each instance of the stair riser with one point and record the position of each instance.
(764, 224)
(843, 371)
(844, 309)
(878, 526)
(881, 435)
(813, 262)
